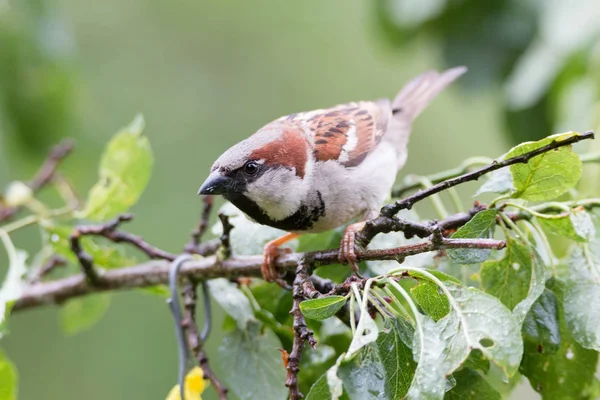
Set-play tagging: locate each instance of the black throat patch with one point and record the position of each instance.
(301, 220)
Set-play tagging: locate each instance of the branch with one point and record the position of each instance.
(406, 204)
(109, 231)
(301, 332)
(193, 246)
(156, 272)
(44, 174)
(195, 340)
(226, 235)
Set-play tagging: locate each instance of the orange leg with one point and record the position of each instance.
(347, 247)
(270, 256)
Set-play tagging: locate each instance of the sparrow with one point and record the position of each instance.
(317, 170)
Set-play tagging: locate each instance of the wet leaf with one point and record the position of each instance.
(363, 376)
(322, 308)
(395, 351)
(476, 321)
(541, 325)
(251, 365)
(499, 181)
(125, 170)
(429, 298)
(232, 300)
(517, 279)
(566, 373)
(582, 289)
(366, 333)
(509, 278)
(547, 175)
(575, 224)
(482, 225)
(470, 385)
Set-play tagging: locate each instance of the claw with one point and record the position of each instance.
(271, 252)
(347, 253)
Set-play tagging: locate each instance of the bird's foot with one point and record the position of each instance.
(347, 253)
(271, 252)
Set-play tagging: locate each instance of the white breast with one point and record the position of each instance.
(351, 193)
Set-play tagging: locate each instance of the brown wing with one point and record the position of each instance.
(347, 132)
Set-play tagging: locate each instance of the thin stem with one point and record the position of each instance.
(435, 199)
(381, 299)
(11, 251)
(545, 242)
(455, 198)
(510, 223)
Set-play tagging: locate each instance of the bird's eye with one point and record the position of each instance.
(251, 167)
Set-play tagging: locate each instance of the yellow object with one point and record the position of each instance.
(194, 386)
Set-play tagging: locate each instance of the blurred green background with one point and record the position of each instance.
(206, 74)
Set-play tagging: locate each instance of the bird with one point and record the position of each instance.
(315, 171)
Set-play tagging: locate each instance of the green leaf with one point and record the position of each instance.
(125, 170)
(273, 299)
(232, 300)
(363, 376)
(395, 351)
(482, 225)
(80, 314)
(508, 279)
(429, 298)
(517, 279)
(251, 365)
(542, 325)
(320, 390)
(499, 181)
(575, 224)
(8, 379)
(489, 327)
(12, 286)
(477, 361)
(567, 373)
(582, 289)
(476, 321)
(433, 357)
(470, 385)
(322, 308)
(547, 175)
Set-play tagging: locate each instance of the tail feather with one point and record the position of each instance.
(419, 92)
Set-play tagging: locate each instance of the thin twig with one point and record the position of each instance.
(85, 260)
(156, 272)
(196, 237)
(48, 168)
(406, 204)
(44, 174)
(54, 261)
(109, 231)
(225, 236)
(195, 340)
(301, 332)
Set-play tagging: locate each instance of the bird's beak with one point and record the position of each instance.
(214, 184)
